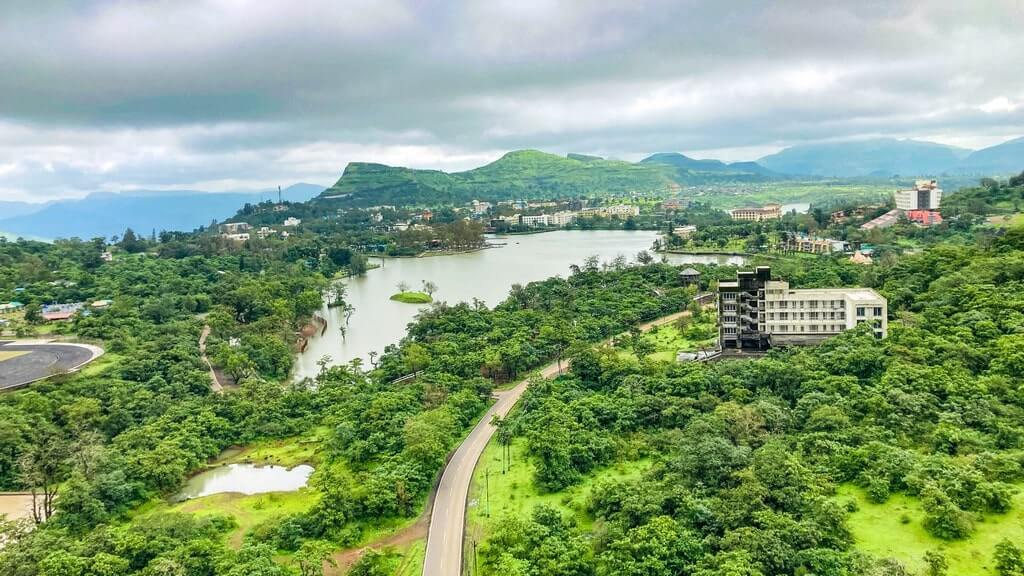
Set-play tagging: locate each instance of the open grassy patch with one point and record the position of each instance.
(412, 297)
(1007, 220)
(101, 364)
(514, 492)
(287, 452)
(895, 530)
(686, 335)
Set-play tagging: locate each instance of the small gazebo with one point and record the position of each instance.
(689, 276)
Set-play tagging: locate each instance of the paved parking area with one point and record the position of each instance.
(22, 363)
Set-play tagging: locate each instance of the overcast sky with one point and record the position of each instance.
(229, 95)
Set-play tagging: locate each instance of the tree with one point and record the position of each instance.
(644, 257)
(1009, 559)
(402, 286)
(312, 555)
(429, 287)
(43, 464)
(935, 562)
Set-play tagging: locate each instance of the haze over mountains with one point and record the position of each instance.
(107, 214)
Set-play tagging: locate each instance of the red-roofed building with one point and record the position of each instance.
(924, 217)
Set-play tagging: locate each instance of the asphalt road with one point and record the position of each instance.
(41, 360)
(448, 518)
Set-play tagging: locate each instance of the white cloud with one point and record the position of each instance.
(998, 104)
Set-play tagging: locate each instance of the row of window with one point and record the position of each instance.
(813, 328)
(807, 315)
(803, 304)
(862, 311)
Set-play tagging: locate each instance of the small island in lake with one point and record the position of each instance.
(413, 297)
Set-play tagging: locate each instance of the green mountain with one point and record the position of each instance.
(524, 174)
(1005, 158)
(878, 157)
(691, 170)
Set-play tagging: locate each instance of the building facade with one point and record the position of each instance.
(756, 312)
(767, 212)
(925, 195)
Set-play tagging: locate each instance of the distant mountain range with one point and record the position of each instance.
(107, 214)
(886, 157)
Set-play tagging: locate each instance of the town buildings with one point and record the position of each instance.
(814, 245)
(884, 221)
(924, 217)
(766, 212)
(620, 210)
(684, 231)
(757, 312)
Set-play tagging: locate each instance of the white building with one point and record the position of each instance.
(623, 210)
(242, 237)
(756, 312)
(234, 227)
(925, 195)
(807, 316)
(684, 231)
(292, 221)
(107, 256)
(563, 218)
(766, 212)
(539, 220)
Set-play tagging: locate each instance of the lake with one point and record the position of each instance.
(486, 275)
(245, 479)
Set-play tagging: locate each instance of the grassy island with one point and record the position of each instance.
(413, 297)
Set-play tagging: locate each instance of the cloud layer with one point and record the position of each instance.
(226, 94)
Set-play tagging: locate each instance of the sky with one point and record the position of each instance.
(233, 95)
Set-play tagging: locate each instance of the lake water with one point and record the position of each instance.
(487, 275)
(245, 479)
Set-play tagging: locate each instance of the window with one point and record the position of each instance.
(878, 310)
(728, 295)
(729, 307)
(814, 328)
(729, 330)
(861, 311)
(783, 315)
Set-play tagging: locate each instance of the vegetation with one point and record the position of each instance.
(412, 297)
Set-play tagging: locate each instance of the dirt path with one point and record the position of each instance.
(15, 505)
(215, 384)
(346, 558)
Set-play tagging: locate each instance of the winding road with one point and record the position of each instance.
(25, 361)
(448, 517)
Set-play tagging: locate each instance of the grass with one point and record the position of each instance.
(412, 297)
(894, 529)
(10, 355)
(101, 364)
(412, 558)
(288, 452)
(514, 493)
(1007, 221)
(669, 340)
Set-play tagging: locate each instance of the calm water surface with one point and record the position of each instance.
(487, 275)
(245, 479)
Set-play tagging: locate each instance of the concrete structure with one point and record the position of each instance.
(107, 257)
(684, 231)
(57, 312)
(292, 221)
(815, 245)
(624, 210)
(538, 220)
(925, 195)
(10, 308)
(766, 212)
(675, 204)
(563, 218)
(236, 237)
(234, 227)
(884, 221)
(756, 312)
(924, 217)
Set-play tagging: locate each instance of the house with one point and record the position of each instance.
(10, 308)
(684, 231)
(766, 212)
(234, 227)
(59, 312)
(624, 210)
(675, 204)
(757, 312)
(860, 258)
(815, 245)
(101, 304)
(689, 277)
(242, 237)
(107, 256)
(291, 221)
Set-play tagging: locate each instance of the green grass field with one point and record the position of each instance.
(412, 298)
(1007, 221)
(669, 340)
(894, 529)
(514, 492)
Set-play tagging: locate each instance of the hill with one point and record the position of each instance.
(524, 174)
(1001, 159)
(689, 169)
(878, 157)
(107, 214)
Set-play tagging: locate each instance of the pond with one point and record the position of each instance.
(486, 275)
(245, 479)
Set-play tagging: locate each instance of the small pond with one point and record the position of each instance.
(245, 479)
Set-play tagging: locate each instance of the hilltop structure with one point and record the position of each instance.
(756, 312)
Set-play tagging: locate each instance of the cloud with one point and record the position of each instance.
(106, 95)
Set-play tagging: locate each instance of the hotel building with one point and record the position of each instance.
(756, 312)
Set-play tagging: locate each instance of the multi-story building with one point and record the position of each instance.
(623, 210)
(292, 221)
(756, 312)
(538, 220)
(814, 245)
(684, 231)
(925, 195)
(234, 227)
(766, 212)
(563, 218)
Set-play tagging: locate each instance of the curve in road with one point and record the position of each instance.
(448, 517)
(42, 360)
